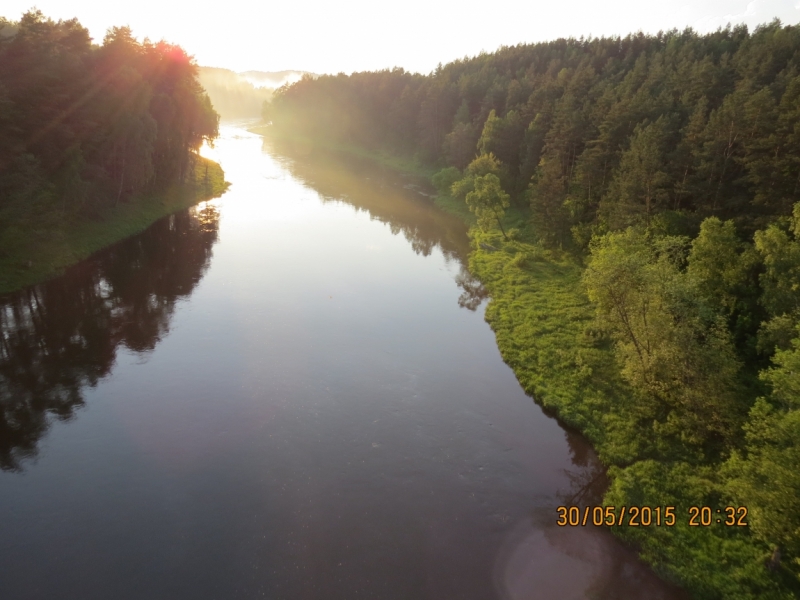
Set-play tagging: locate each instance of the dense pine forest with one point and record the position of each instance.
(85, 128)
(636, 205)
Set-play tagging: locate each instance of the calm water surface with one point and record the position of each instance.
(288, 392)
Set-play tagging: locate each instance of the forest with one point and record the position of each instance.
(88, 128)
(233, 95)
(636, 219)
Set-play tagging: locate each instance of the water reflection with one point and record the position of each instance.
(401, 202)
(474, 293)
(587, 478)
(63, 335)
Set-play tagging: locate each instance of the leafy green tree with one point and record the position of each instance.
(673, 350)
(640, 187)
(766, 478)
(726, 272)
(488, 202)
(550, 218)
(502, 137)
(482, 165)
(720, 263)
(780, 282)
(533, 143)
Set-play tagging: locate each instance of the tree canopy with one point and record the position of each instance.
(85, 125)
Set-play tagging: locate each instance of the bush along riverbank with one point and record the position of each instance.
(40, 245)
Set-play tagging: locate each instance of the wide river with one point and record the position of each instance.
(288, 393)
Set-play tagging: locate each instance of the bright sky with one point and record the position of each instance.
(352, 35)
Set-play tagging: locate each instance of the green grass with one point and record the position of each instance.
(455, 207)
(42, 245)
(542, 319)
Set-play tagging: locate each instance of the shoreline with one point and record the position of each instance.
(542, 320)
(52, 248)
(544, 326)
(490, 259)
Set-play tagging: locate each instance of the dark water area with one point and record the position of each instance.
(287, 392)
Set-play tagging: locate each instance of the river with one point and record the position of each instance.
(288, 392)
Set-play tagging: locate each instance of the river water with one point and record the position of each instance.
(287, 392)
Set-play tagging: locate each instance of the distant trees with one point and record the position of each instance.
(84, 126)
(232, 94)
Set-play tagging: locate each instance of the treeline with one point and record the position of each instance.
(594, 133)
(85, 126)
(669, 167)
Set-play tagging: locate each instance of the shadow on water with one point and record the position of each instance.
(403, 202)
(61, 336)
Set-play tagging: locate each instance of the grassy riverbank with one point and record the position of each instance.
(40, 244)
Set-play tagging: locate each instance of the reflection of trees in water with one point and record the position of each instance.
(474, 293)
(387, 197)
(616, 571)
(62, 335)
(588, 479)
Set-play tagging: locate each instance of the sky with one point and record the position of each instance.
(351, 35)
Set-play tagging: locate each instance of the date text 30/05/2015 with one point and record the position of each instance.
(645, 516)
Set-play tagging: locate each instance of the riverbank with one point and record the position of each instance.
(538, 310)
(545, 329)
(41, 246)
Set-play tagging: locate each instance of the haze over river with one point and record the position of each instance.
(285, 393)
